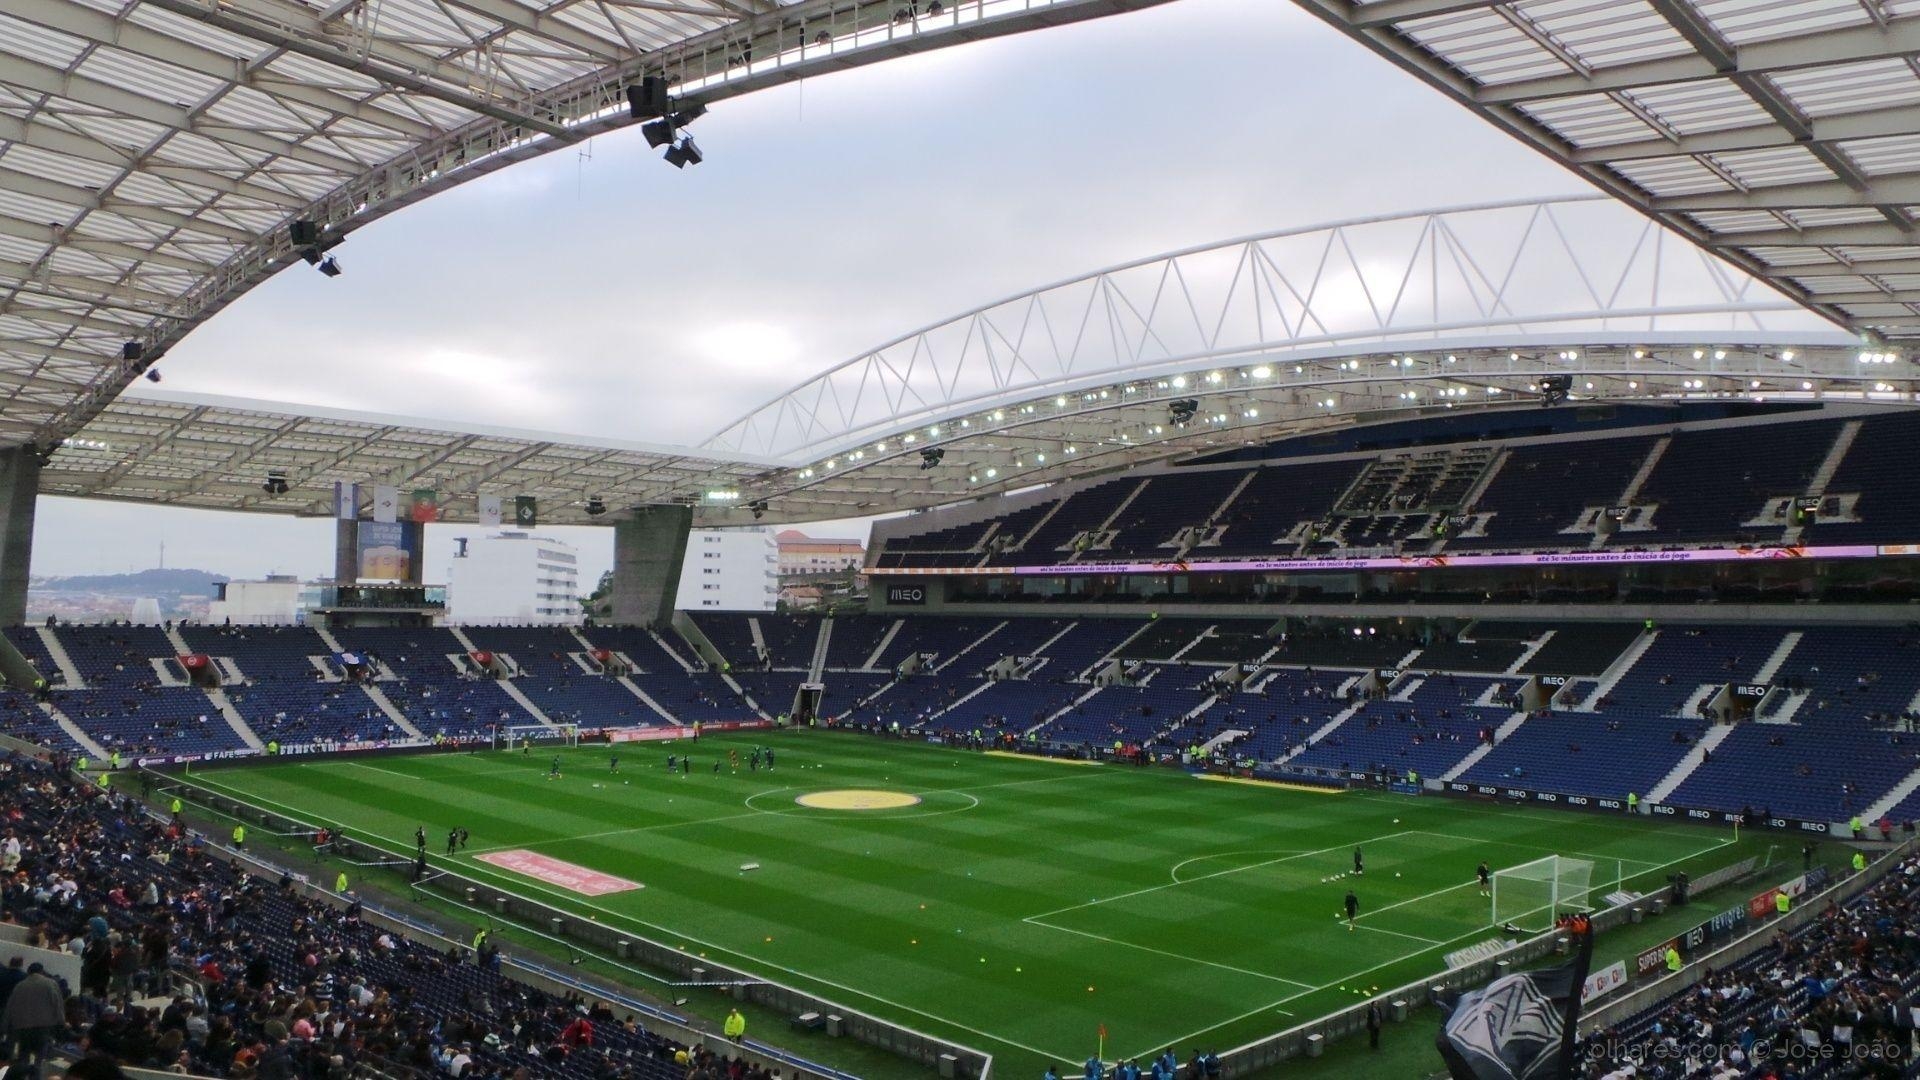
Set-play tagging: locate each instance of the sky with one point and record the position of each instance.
(604, 293)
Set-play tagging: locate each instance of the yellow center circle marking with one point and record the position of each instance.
(857, 799)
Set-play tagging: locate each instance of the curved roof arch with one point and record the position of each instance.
(152, 152)
(1521, 272)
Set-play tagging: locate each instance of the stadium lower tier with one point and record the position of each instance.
(1808, 724)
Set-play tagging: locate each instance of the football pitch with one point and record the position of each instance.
(1013, 905)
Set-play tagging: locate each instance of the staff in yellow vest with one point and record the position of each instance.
(1782, 903)
(239, 835)
(340, 883)
(1859, 861)
(176, 808)
(1673, 959)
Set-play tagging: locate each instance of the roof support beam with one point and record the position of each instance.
(101, 28)
(1900, 189)
(1876, 124)
(294, 30)
(42, 79)
(27, 183)
(1800, 51)
(57, 140)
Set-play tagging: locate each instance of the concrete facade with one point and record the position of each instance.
(648, 548)
(19, 493)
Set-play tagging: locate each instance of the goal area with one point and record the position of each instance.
(1531, 896)
(536, 735)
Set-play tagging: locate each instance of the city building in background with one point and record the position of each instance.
(514, 577)
(279, 600)
(805, 556)
(730, 570)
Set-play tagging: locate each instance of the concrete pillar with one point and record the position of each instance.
(346, 551)
(648, 547)
(19, 492)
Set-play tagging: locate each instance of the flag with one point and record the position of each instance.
(525, 512)
(346, 500)
(490, 511)
(1518, 1027)
(425, 506)
(386, 503)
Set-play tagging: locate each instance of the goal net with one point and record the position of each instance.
(537, 736)
(1531, 896)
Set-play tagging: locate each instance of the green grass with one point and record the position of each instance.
(1019, 905)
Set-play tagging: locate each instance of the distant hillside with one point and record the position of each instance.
(141, 583)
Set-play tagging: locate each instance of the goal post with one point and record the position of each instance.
(540, 736)
(1529, 897)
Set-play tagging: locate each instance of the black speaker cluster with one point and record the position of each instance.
(648, 100)
(309, 240)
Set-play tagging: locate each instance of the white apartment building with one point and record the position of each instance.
(730, 570)
(515, 577)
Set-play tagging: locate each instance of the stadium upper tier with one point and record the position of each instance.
(154, 153)
(1646, 479)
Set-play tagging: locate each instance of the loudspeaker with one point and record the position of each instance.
(648, 98)
(132, 351)
(303, 233)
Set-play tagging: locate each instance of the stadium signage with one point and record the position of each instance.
(908, 595)
(1751, 691)
(1653, 959)
(1612, 978)
(1597, 803)
(1553, 680)
(1430, 562)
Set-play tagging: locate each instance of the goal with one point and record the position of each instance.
(540, 735)
(1531, 896)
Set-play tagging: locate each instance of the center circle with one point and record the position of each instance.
(857, 799)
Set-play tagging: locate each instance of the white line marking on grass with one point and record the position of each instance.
(1165, 953)
(1274, 1005)
(1175, 872)
(1215, 874)
(1536, 847)
(618, 832)
(751, 961)
(479, 869)
(1395, 933)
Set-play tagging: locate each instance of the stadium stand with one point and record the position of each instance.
(548, 672)
(1839, 983)
(124, 706)
(1524, 495)
(284, 984)
(285, 698)
(429, 687)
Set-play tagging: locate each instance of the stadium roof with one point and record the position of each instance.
(1264, 337)
(216, 453)
(153, 151)
(1783, 134)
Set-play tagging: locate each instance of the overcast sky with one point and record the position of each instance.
(603, 293)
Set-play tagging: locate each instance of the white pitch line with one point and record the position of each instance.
(1175, 872)
(1165, 953)
(1536, 847)
(1274, 1005)
(1215, 874)
(1410, 937)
